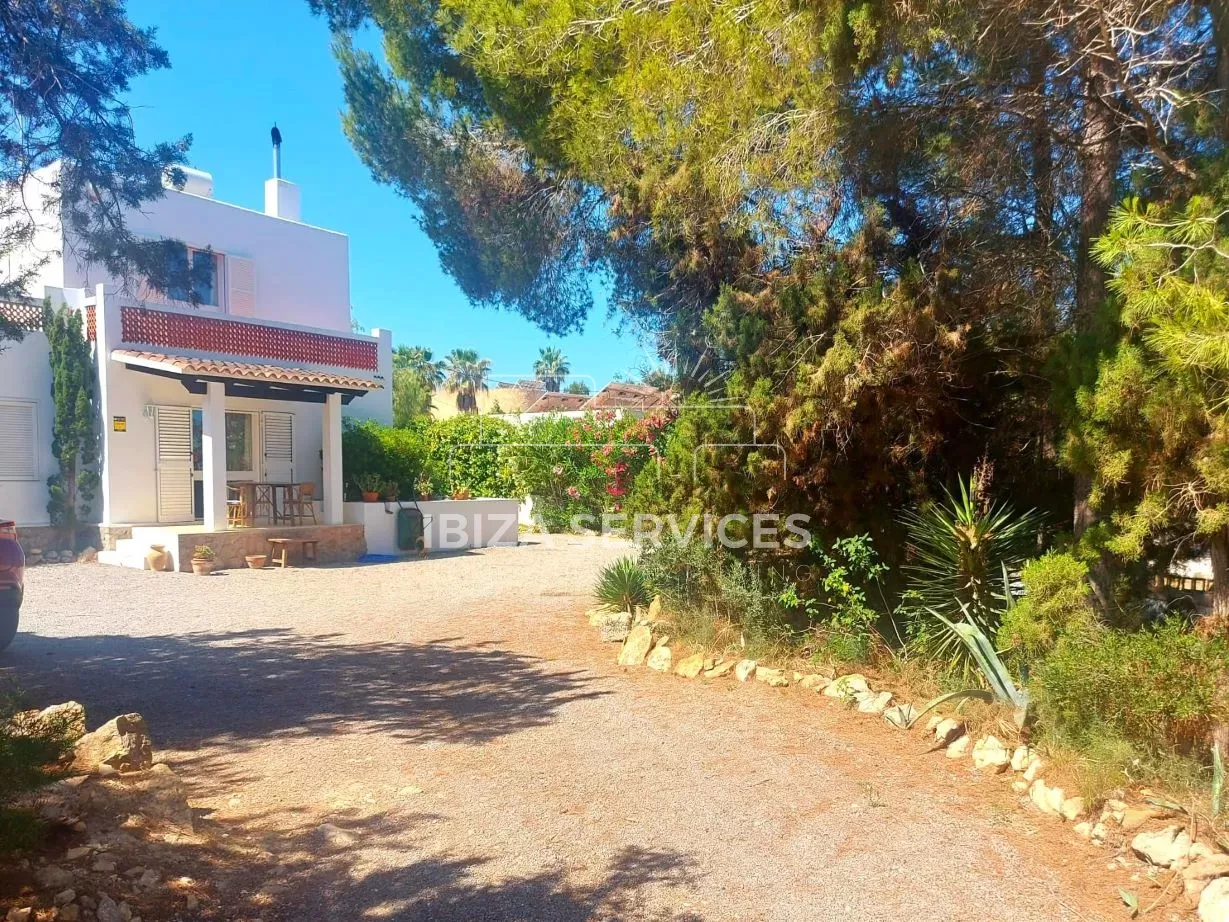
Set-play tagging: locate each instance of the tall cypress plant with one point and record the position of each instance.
(74, 439)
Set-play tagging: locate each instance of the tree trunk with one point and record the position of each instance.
(1218, 545)
(1219, 13)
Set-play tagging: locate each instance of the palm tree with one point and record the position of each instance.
(551, 367)
(465, 374)
(418, 360)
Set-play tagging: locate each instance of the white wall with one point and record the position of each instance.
(302, 272)
(25, 375)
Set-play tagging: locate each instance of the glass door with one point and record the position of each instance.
(240, 453)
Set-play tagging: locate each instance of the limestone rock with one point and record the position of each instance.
(1083, 830)
(901, 715)
(122, 743)
(874, 703)
(947, 731)
(1200, 873)
(1214, 904)
(958, 747)
(659, 659)
(53, 878)
(847, 686)
(745, 669)
(990, 753)
(1021, 758)
(88, 555)
(108, 910)
(1164, 848)
(654, 613)
(1019, 786)
(1034, 770)
(813, 681)
(67, 720)
(616, 626)
(1047, 799)
(69, 913)
(1135, 817)
(773, 677)
(690, 666)
(18, 914)
(719, 669)
(64, 897)
(636, 646)
(1072, 808)
(597, 615)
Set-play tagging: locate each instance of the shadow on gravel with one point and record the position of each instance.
(325, 872)
(243, 688)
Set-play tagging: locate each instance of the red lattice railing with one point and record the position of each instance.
(230, 337)
(91, 322)
(25, 315)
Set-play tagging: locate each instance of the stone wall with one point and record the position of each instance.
(338, 544)
(48, 543)
(109, 534)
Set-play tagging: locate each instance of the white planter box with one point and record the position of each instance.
(450, 524)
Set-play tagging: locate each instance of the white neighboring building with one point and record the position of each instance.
(251, 384)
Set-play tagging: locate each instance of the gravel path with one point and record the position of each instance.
(447, 740)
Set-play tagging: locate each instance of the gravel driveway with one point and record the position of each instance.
(447, 740)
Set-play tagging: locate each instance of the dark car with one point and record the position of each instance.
(12, 582)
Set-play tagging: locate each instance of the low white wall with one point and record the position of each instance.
(25, 377)
(450, 524)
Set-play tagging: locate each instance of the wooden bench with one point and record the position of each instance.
(280, 549)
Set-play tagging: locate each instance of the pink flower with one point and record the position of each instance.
(573, 492)
(557, 470)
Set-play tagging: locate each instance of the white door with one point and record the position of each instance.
(277, 438)
(173, 452)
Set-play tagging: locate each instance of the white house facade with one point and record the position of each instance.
(248, 385)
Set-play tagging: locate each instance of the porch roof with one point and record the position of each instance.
(244, 379)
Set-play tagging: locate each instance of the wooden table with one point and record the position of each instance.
(252, 494)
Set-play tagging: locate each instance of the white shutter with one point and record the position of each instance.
(18, 440)
(277, 435)
(173, 441)
(241, 279)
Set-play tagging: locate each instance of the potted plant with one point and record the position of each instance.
(391, 491)
(462, 493)
(203, 559)
(425, 481)
(369, 485)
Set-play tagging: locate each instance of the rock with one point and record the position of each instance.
(773, 677)
(1083, 830)
(1046, 799)
(874, 703)
(813, 681)
(615, 627)
(1135, 817)
(597, 615)
(73, 854)
(87, 555)
(148, 880)
(659, 659)
(847, 686)
(1072, 808)
(990, 753)
(18, 914)
(690, 666)
(108, 910)
(947, 731)
(1200, 873)
(1034, 770)
(1164, 848)
(333, 835)
(192, 902)
(745, 669)
(654, 613)
(958, 747)
(636, 646)
(901, 715)
(104, 866)
(1099, 832)
(65, 897)
(1021, 758)
(122, 743)
(720, 668)
(53, 878)
(69, 913)
(1019, 786)
(1214, 904)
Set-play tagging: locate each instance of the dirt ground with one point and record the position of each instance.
(447, 739)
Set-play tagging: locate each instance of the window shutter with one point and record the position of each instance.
(173, 448)
(278, 436)
(241, 277)
(18, 441)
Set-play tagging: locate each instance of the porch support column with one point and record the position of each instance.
(213, 451)
(333, 487)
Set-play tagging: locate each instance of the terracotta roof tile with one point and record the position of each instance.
(241, 371)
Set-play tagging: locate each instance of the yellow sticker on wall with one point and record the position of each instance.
(119, 423)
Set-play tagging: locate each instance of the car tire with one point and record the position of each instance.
(9, 616)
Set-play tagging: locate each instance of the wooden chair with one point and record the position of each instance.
(300, 503)
(263, 504)
(238, 505)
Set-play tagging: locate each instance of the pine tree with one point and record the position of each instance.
(74, 439)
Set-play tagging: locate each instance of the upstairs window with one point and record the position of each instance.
(206, 271)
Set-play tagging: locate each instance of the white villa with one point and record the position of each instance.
(249, 386)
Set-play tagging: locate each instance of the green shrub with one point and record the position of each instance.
(377, 454)
(622, 586)
(1157, 687)
(31, 752)
(1056, 599)
(468, 454)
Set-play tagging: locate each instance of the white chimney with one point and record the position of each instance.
(195, 182)
(281, 197)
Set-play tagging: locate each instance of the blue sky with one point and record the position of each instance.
(236, 67)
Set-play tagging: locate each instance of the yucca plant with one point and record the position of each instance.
(622, 585)
(956, 550)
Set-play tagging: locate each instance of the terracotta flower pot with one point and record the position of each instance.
(371, 496)
(257, 561)
(202, 567)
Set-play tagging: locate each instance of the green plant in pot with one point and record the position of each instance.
(391, 491)
(369, 485)
(203, 559)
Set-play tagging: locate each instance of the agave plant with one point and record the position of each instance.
(622, 585)
(957, 548)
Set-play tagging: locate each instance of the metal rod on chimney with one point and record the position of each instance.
(277, 152)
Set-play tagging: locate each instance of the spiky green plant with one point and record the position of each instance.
(622, 585)
(957, 550)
